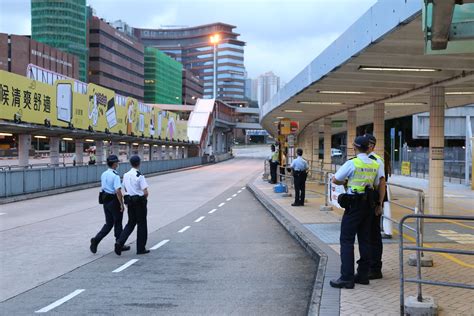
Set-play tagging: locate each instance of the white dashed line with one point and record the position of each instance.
(243, 188)
(200, 219)
(125, 266)
(182, 230)
(234, 195)
(60, 301)
(239, 191)
(228, 199)
(212, 211)
(221, 205)
(161, 243)
(3, 213)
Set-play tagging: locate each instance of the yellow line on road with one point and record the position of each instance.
(446, 255)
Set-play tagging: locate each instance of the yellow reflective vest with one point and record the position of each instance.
(364, 175)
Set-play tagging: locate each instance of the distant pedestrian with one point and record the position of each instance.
(274, 161)
(74, 159)
(136, 195)
(112, 200)
(300, 173)
(92, 159)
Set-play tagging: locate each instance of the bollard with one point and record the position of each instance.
(326, 207)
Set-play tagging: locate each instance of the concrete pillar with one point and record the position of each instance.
(24, 145)
(129, 151)
(379, 128)
(150, 152)
(436, 169)
(54, 150)
(171, 152)
(185, 150)
(115, 149)
(327, 143)
(315, 147)
(351, 132)
(141, 150)
(79, 151)
(178, 153)
(100, 152)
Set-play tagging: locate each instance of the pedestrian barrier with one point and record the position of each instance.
(429, 308)
(266, 170)
(14, 182)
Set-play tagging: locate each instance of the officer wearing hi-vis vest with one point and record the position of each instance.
(274, 161)
(361, 175)
(136, 195)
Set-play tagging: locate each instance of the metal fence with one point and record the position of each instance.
(25, 181)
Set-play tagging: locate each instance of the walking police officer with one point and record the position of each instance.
(362, 175)
(112, 200)
(136, 194)
(300, 172)
(375, 238)
(274, 160)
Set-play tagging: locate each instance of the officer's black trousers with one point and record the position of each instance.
(273, 171)
(357, 220)
(376, 246)
(113, 219)
(137, 212)
(299, 178)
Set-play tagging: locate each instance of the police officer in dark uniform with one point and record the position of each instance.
(112, 200)
(361, 175)
(300, 173)
(136, 195)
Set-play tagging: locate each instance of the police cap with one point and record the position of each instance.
(361, 142)
(134, 160)
(112, 159)
(299, 152)
(371, 138)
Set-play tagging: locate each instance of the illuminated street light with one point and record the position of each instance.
(41, 137)
(6, 134)
(215, 39)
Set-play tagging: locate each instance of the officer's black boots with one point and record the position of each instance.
(93, 246)
(374, 275)
(342, 284)
(360, 280)
(143, 252)
(118, 249)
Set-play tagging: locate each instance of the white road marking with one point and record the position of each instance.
(243, 188)
(228, 199)
(3, 213)
(234, 195)
(239, 191)
(221, 205)
(457, 237)
(200, 219)
(60, 301)
(125, 266)
(161, 243)
(212, 211)
(182, 230)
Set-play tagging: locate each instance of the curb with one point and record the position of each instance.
(314, 247)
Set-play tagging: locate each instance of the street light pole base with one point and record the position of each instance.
(426, 308)
(426, 261)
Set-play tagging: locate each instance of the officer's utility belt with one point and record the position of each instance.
(298, 172)
(133, 199)
(370, 197)
(105, 197)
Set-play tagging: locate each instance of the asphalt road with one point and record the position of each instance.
(234, 260)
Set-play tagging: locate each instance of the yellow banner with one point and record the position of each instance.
(406, 168)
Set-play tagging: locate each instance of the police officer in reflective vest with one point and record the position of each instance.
(300, 172)
(274, 159)
(112, 200)
(362, 175)
(136, 194)
(375, 238)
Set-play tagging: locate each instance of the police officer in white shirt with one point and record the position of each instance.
(300, 172)
(136, 194)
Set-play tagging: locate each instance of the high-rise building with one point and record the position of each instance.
(116, 60)
(267, 85)
(191, 46)
(193, 87)
(163, 78)
(63, 25)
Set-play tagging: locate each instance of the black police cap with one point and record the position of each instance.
(299, 152)
(361, 142)
(134, 160)
(371, 138)
(112, 159)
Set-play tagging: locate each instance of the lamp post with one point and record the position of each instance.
(215, 41)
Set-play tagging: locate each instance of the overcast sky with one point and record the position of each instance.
(281, 35)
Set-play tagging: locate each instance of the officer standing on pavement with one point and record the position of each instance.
(375, 238)
(274, 161)
(112, 200)
(300, 172)
(136, 194)
(362, 176)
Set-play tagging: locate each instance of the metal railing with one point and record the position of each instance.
(419, 249)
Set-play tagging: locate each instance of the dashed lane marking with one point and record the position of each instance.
(240, 191)
(3, 213)
(125, 266)
(200, 219)
(243, 188)
(228, 199)
(161, 243)
(182, 230)
(234, 195)
(221, 205)
(60, 301)
(212, 211)
(457, 237)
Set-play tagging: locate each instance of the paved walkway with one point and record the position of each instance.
(381, 297)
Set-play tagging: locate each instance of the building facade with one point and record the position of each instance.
(17, 52)
(193, 87)
(267, 85)
(191, 46)
(63, 25)
(163, 78)
(116, 60)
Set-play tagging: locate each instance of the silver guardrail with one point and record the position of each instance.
(419, 249)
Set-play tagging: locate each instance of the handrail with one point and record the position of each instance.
(419, 248)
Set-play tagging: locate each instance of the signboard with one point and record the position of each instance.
(406, 168)
(437, 153)
(294, 127)
(291, 140)
(285, 127)
(333, 191)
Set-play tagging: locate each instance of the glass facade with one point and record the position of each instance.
(63, 25)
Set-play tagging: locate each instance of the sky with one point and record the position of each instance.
(282, 36)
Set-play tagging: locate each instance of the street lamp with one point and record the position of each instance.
(215, 39)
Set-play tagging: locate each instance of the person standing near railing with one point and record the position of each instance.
(300, 172)
(274, 161)
(362, 176)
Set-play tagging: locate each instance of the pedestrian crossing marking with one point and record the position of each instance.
(457, 237)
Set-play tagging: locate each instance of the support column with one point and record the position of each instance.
(351, 132)
(178, 156)
(129, 151)
(54, 150)
(99, 152)
(436, 170)
(185, 150)
(115, 149)
(150, 152)
(171, 152)
(141, 151)
(79, 151)
(379, 128)
(24, 145)
(327, 144)
(315, 146)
